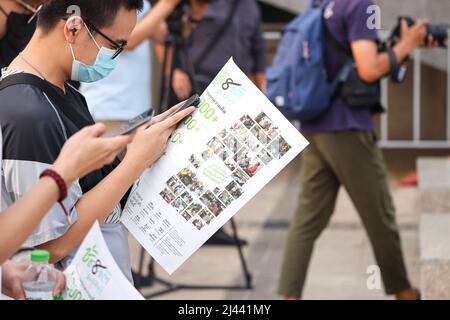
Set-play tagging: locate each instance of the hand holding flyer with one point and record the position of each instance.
(217, 160)
(94, 275)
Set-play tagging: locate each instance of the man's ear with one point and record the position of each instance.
(72, 28)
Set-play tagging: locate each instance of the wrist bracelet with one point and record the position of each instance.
(62, 186)
(59, 182)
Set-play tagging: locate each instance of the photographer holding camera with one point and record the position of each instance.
(344, 151)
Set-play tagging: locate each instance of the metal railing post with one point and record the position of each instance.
(417, 96)
(448, 91)
(384, 125)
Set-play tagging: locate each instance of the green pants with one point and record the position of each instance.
(351, 159)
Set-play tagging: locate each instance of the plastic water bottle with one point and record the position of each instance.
(39, 279)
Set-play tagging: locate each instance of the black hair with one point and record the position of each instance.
(101, 13)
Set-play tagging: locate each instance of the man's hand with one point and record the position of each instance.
(87, 151)
(12, 275)
(181, 84)
(416, 35)
(260, 80)
(163, 116)
(150, 141)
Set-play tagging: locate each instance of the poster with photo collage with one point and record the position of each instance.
(216, 161)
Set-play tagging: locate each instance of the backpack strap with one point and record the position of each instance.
(344, 53)
(59, 102)
(345, 57)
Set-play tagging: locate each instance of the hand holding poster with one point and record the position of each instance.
(222, 156)
(94, 275)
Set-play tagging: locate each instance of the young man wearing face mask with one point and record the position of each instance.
(122, 95)
(17, 25)
(36, 124)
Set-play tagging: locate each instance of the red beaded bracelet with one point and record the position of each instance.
(62, 189)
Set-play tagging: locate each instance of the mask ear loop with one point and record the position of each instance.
(71, 50)
(93, 39)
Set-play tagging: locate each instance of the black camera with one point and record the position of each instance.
(439, 32)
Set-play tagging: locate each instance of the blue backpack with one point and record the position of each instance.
(298, 83)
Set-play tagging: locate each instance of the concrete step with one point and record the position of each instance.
(435, 255)
(434, 185)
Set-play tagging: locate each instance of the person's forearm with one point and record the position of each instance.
(150, 24)
(160, 34)
(11, 278)
(2, 27)
(18, 221)
(95, 205)
(384, 64)
(159, 52)
(3, 19)
(381, 64)
(402, 51)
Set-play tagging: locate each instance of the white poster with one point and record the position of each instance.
(94, 275)
(216, 161)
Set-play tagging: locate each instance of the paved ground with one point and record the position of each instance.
(338, 268)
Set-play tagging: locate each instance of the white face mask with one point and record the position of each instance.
(103, 66)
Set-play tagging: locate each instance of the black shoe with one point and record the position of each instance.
(221, 238)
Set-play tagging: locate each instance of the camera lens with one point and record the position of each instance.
(439, 33)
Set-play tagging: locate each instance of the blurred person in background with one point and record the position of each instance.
(344, 151)
(243, 40)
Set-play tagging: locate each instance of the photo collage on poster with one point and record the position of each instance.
(244, 148)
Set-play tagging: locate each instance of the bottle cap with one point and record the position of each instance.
(40, 256)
